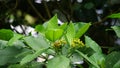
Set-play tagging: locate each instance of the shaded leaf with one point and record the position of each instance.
(117, 30)
(98, 58)
(117, 65)
(88, 59)
(112, 59)
(31, 57)
(58, 62)
(3, 44)
(6, 34)
(8, 54)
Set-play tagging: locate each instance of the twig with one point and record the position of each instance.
(64, 12)
(47, 9)
(36, 11)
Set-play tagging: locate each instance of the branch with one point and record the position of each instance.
(105, 18)
(36, 11)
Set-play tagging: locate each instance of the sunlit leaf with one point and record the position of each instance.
(53, 34)
(52, 23)
(70, 32)
(63, 26)
(82, 28)
(40, 28)
(116, 15)
(92, 44)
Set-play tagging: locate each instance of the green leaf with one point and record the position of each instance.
(3, 44)
(63, 26)
(58, 62)
(17, 66)
(112, 59)
(14, 39)
(36, 65)
(40, 28)
(82, 28)
(6, 34)
(116, 15)
(31, 57)
(36, 43)
(24, 52)
(99, 59)
(8, 54)
(117, 65)
(52, 23)
(89, 5)
(54, 34)
(92, 44)
(70, 33)
(76, 58)
(117, 30)
(87, 58)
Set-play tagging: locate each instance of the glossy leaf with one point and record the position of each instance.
(92, 44)
(82, 28)
(54, 34)
(58, 62)
(6, 34)
(117, 30)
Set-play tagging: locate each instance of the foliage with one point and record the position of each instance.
(57, 41)
(71, 44)
(62, 42)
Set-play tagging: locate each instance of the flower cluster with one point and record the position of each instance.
(59, 43)
(77, 43)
